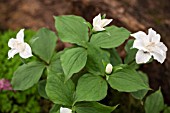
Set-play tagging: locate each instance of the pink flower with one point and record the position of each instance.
(5, 84)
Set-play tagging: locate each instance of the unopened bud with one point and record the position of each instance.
(109, 68)
(65, 110)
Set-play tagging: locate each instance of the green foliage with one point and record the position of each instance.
(95, 60)
(154, 103)
(72, 29)
(28, 75)
(111, 38)
(167, 110)
(96, 88)
(55, 108)
(127, 80)
(58, 91)
(44, 43)
(141, 93)
(41, 89)
(7, 67)
(55, 64)
(76, 77)
(73, 60)
(93, 107)
(10, 101)
(114, 57)
(130, 55)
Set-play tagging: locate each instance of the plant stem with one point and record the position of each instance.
(23, 61)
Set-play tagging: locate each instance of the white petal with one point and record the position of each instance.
(26, 53)
(109, 68)
(139, 44)
(157, 49)
(142, 57)
(153, 37)
(105, 22)
(20, 35)
(98, 28)
(11, 53)
(11, 43)
(97, 20)
(65, 110)
(139, 35)
(162, 46)
(160, 58)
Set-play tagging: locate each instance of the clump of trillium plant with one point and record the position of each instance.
(78, 77)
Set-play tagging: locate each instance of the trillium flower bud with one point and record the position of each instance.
(109, 68)
(65, 110)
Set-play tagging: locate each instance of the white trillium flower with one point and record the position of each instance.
(109, 68)
(148, 46)
(99, 23)
(65, 110)
(19, 46)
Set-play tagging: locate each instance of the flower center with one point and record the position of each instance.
(150, 46)
(20, 46)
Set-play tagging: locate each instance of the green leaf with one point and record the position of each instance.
(127, 80)
(95, 60)
(167, 110)
(55, 109)
(141, 93)
(55, 64)
(73, 60)
(43, 44)
(27, 75)
(133, 65)
(91, 88)
(130, 52)
(114, 57)
(89, 25)
(154, 103)
(112, 37)
(72, 29)
(93, 107)
(41, 89)
(58, 91)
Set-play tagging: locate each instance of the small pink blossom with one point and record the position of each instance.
(5, 84)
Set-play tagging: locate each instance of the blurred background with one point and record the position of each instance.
(134, 15)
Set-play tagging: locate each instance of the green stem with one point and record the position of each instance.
(23, 61)
(41, 59)
(90, 34)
